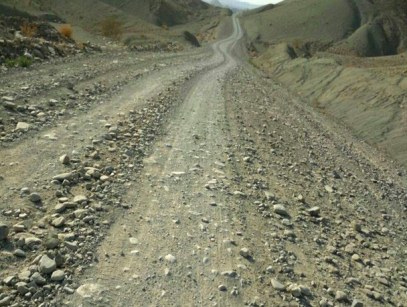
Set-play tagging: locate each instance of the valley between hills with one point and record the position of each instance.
(199, 157)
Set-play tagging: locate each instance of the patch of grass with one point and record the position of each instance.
(112, 28)
(29, 29)
(21, 61)
(66, 30)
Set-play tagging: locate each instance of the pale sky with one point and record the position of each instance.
(261, 2)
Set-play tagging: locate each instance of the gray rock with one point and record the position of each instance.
(22, 288)
(63, 176)
(6, 301)
(47, 265)
(230, 274)
(80, 199)
(58, 222)
(59, 208)
(51, 243)
(329, 189)
(25, 191)
(222, 288)
(8, 98)
(22, 126)
(10, 280)
(58, 275)
(64, 159)
(24, 275)
(38, 279)
(170, 258)
(69, 290)
(245, 252)
(277, 285)
(32, 241)
(314, 211)
(90, 290)
(357, 303)
(19, 253)
(341, 296)
(9, 105)
(280, 209)
(269, 195)
(4, 231)
(35, 197)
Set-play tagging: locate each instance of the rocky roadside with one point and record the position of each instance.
(25, 40)
(333, 209)
(37, 98)
(50, 236)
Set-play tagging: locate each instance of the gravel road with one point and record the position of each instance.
(190, 180)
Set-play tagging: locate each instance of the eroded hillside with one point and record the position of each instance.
(345, 58)
(134, 21)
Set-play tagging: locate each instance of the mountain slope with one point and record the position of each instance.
(345, 58)
(360, 27)
(144, 18)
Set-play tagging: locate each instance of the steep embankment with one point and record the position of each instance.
(367, 94)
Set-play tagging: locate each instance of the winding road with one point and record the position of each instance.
(194, 180)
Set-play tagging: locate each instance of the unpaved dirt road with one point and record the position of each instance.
(198, 181)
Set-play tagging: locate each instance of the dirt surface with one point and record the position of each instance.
(190, 180)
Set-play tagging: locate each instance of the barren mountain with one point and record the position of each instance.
(138, 20)
(360, 27)
(348, 58)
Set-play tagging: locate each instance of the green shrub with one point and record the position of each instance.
(21, 61)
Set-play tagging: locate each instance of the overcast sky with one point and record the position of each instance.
(261, 2)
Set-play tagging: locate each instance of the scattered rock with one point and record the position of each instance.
(64, 159)
(280, 209)
(341, 296)
(58, 222)
(357, 303)
(329, 189)
(90, 290)
(170, 258)
(22, 288)
(38, 279)
(277, 285)
(314, 211)
(47, 265)
(35, 197)
(58, 275)
(19, 253)
(79, 199)
(6, 301)
(22, 126)
(4, 231)
(245, 253)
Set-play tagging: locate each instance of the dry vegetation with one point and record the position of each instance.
(112, 28)
(66, 30)
(29, 29)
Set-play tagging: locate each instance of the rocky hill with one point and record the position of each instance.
(357, 27)
(346, 58)
(136, 20)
